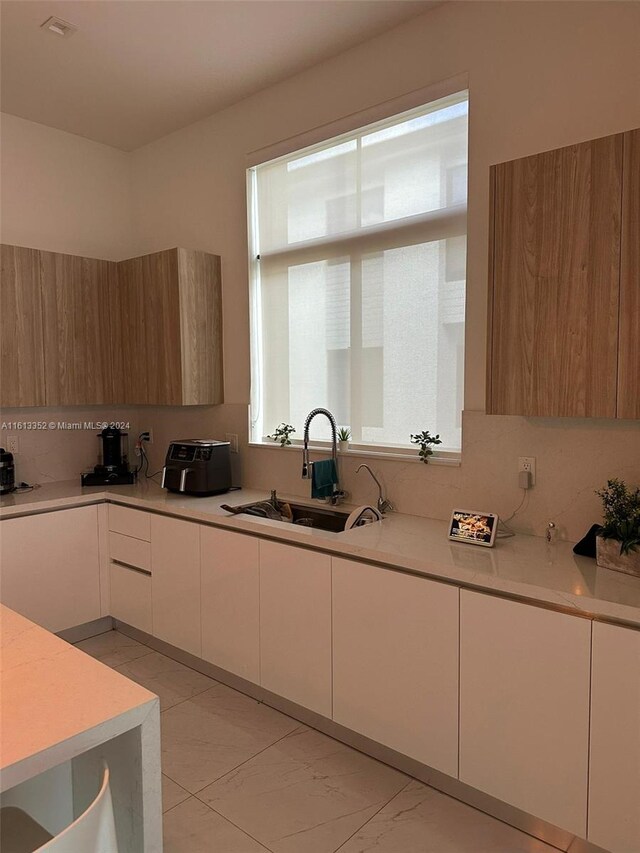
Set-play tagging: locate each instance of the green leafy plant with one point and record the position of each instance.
(282, 433)
(424, 440)
(621, 511)
(344, 434)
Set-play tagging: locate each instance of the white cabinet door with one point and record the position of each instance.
(614, 767)
(395, 661)
(50, 567)
(524, 707)
(175, 582)
(231, 601)
(131, 596)
(295, 625)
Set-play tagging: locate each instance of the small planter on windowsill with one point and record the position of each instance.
(344, 437)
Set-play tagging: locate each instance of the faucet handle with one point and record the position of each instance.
(385, 506)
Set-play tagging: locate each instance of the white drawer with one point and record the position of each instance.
(130, 522)
(128, 550)
(131, 597)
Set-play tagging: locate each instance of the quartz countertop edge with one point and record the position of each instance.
(524, 566)
(71, 701)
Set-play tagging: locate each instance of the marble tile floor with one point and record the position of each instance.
(240, 777)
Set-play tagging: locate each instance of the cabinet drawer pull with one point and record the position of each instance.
(133, 568)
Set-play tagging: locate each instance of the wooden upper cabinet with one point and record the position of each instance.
(629, 351)
(555, 282)
(22, 361)
(169, 310)
(76, 297)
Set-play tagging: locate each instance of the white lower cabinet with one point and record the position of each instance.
(395, 661)
(614, 767)
(50, 569)
(295, 625)
(131, 596)
(524, 707)
(231, 601)
(175, 582)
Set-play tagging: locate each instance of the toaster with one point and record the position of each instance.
(197, 466)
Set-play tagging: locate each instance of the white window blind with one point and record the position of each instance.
(358, 257)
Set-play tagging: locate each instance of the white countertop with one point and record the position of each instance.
(524, 566)
(56, 701)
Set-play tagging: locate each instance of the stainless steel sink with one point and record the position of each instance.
(322, 518)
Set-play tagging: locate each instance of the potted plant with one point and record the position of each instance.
(618, 540)
(282, 433)
(425, 441)
(344, 437)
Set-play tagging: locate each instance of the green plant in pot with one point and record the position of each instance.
(618, 540)
(425, 442)
(282, 433)
(344, 437)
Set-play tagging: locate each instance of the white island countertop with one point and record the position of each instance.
(59, 706)
(523, 566)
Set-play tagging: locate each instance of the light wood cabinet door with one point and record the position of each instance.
(629, 349)
(614, 766)
(22, 362)
(77, 295)
(395, 661)
(295, 625)
(231, 602)
(49, 567)
(149, 329)
(524, 707)
(169, 310)
(555, 282)
(175, 582)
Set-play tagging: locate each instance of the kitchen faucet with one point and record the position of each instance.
(383, 504)
(338, 494)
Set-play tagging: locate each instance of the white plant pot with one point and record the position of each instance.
(608, 556)
(343, 446)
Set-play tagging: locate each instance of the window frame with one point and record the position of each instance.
(427, 227)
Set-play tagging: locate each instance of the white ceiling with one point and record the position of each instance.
(138, 69)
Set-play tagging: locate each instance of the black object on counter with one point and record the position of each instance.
(7, 472)
(586, 547)
(114, 469)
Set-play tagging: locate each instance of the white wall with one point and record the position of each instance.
(541, 75)
(63, 193)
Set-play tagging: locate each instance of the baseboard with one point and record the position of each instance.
(88, 629)
(540, 829)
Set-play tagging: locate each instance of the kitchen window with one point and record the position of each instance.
(358, 265)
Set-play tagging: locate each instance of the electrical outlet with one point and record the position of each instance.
(13, 443)
(150, 434)
(528, 463)
(232, 438)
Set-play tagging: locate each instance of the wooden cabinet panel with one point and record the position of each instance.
(555, 261)
(149, 328)
(614, 766)
(50, 567)
(629, 351)
(201, 327)
(231, 601)
(22, 362)
(395, 661)
(295, 625)
(77, 294)
(524, 707)
(130, 522)
(175, 585)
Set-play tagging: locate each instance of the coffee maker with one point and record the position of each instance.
(113, 470)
